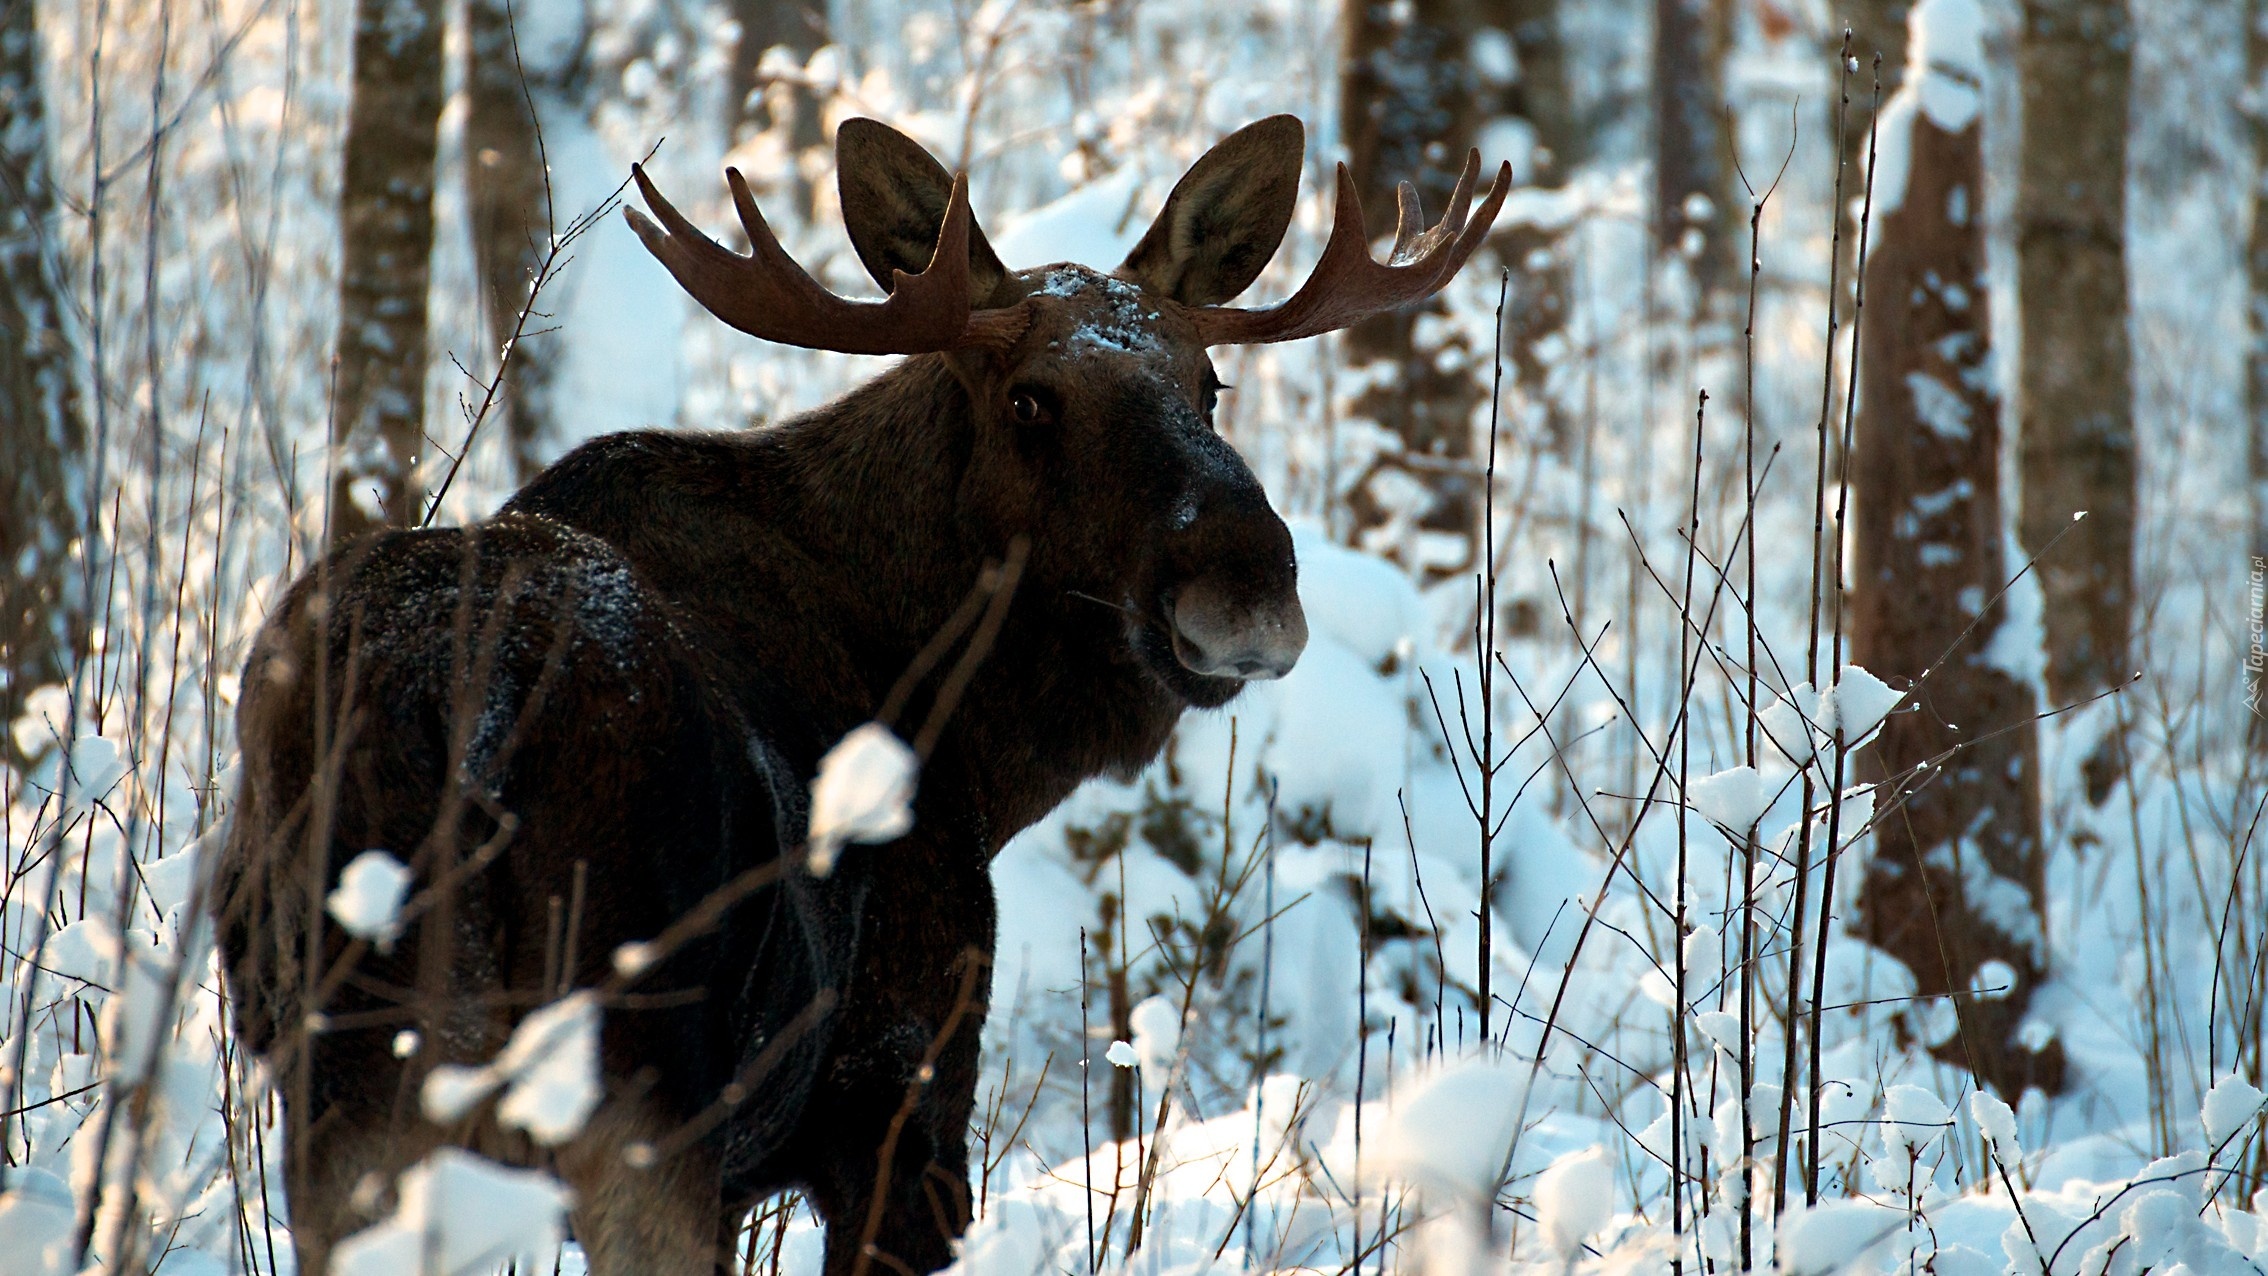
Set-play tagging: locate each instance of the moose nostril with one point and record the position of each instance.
(1226, 638)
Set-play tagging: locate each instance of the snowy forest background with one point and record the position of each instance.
(1799, 746)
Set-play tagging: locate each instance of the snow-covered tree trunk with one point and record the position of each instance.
(1420, 80)
(2256, 373)
(1535, 92)
(2076, 379)
(1695, 215)
(1877, 27)
(40, 435)
(1954, 887)
(1878, 48)
(386, 219)
(510, 222)
(1404, 112)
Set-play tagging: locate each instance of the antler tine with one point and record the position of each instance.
(1452, 222)
(1482, 218)
(766, 294)
(1409, 221)
(1348, 285)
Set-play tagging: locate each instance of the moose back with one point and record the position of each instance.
(588, 724)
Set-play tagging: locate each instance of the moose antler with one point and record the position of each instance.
(765, 294)
(1347, 285)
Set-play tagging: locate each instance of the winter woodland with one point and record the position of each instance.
(1779, 773)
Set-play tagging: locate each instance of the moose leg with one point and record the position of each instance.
(887, 1138)
(883, 1144)
(343, 1148)
(909, 1211)
(638, 1214)
(324, 1163)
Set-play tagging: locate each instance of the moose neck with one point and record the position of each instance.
(878, 485)
(812, 560)
(867, 487)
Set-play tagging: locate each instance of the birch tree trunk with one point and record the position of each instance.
(386, 218)
(2077, 394)
(511, 224)
(40, 431)
(1955, 885)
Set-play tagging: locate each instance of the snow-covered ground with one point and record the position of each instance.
(1286, 909)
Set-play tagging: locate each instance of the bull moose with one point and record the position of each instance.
(592, 720)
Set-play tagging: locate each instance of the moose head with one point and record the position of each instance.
(1091, 395)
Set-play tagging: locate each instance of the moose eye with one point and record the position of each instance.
(1213, 388)
(1029, 407)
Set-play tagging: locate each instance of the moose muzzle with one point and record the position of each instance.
(1221, 636)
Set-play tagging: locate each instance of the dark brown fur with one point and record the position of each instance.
(582, 718)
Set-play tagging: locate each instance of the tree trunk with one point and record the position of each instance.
(1539, 95)
(1956, 879)
(2256, 386)
(1695, 212)
(386, 218)
(511, 224)
(799, 26)
(1878, 29)
(40, 433)
(2076, 381)
(1541, 277)
(1419, 501)
(1878, 47)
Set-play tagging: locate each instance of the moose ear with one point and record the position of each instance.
(893, 195)
(1225, 217)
